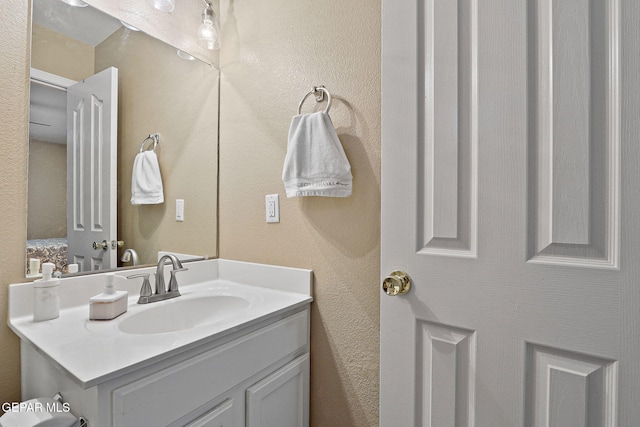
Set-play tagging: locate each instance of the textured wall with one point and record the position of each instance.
(14, 87)
(272, 54)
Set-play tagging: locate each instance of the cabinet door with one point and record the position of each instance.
(282, 398)
(220, 416)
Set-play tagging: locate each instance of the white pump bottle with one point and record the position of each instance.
(46, 295)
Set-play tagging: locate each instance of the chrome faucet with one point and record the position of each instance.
(130, 255)
(161, 293)
(173, 282)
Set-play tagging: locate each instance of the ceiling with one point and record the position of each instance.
(85, 24)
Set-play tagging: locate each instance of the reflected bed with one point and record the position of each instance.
(53, 250)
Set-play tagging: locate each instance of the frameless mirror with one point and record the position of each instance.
(99, 89)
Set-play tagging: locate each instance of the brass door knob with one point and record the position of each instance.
(396, 283)
(100, 245)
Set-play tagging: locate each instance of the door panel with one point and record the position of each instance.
(446, 363)
(567, 389)
(510, 196)
(447, 58)
(574, 100)
(91, 177)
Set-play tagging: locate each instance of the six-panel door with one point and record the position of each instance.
(510, 195)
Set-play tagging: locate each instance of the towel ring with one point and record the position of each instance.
(155, 138)
(319, 92)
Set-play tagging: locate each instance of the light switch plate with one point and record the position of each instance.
(272, 205)
(180, 210)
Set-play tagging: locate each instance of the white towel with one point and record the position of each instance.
(315, 164)
(146, 182)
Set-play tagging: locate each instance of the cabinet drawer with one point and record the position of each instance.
(165, 396)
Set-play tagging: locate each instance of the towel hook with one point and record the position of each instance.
(319, 92)
(152, 137)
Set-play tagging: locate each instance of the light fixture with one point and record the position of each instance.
(163, 5)
(76, 3)
(129, 26)
(208, 31)
(184, 55)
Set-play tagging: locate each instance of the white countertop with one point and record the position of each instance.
(96, 351)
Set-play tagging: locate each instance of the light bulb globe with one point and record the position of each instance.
(208, 36)
(75, 3)
(163, 5)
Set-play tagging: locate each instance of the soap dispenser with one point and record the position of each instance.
(46, 295)
(110, 303)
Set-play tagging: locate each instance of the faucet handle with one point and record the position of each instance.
(173, 282)
(145, 291)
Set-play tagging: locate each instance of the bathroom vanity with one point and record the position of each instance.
(232, 350)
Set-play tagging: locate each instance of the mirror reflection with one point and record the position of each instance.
(99, 89)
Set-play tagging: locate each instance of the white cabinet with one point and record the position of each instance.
(282, 398)
(220, 416)
(255, 376)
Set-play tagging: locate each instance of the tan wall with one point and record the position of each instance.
(14, 41)
(47, 197)
(58, 54)
(187, 152)
(272, 54)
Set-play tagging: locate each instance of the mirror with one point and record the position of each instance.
(158, 92)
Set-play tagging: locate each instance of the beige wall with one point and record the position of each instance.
(272, 54)
(47, 197)
(14, 41)
(58, 54)
(187, 152)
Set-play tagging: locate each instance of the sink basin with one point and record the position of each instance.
(176, 315)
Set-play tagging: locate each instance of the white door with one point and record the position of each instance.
(510, 195)
(92, 107)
